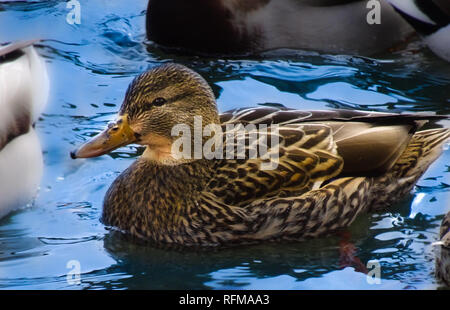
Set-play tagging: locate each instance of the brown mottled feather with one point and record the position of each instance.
(444, 233)
(443, 253)
(306, 154)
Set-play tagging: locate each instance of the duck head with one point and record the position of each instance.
(154, 103)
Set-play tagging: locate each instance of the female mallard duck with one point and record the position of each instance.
(431, 19)
(443, 258)
(331, 166)
(247, 26)
(23, 94)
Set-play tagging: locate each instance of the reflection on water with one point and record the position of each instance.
(91, 65)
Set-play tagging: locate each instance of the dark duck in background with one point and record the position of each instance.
(250, 26)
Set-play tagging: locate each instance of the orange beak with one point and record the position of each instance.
(116, 135)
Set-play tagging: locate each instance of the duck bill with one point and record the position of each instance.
(116, 135)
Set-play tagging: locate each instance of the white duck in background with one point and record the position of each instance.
(431, 19)
(24, 88)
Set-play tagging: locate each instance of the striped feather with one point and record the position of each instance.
(307, 155)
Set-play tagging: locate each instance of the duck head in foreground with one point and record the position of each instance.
(154, 104)
(320, 169)
(24, 90)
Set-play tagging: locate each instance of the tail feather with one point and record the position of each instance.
(337, 204)
(424, 148)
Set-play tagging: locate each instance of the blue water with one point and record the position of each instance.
(90, 66)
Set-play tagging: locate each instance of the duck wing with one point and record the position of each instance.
(288, 161)
(15, 117)
(368, 142)
(426, 16)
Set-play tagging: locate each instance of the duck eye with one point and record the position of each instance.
(159, 101)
